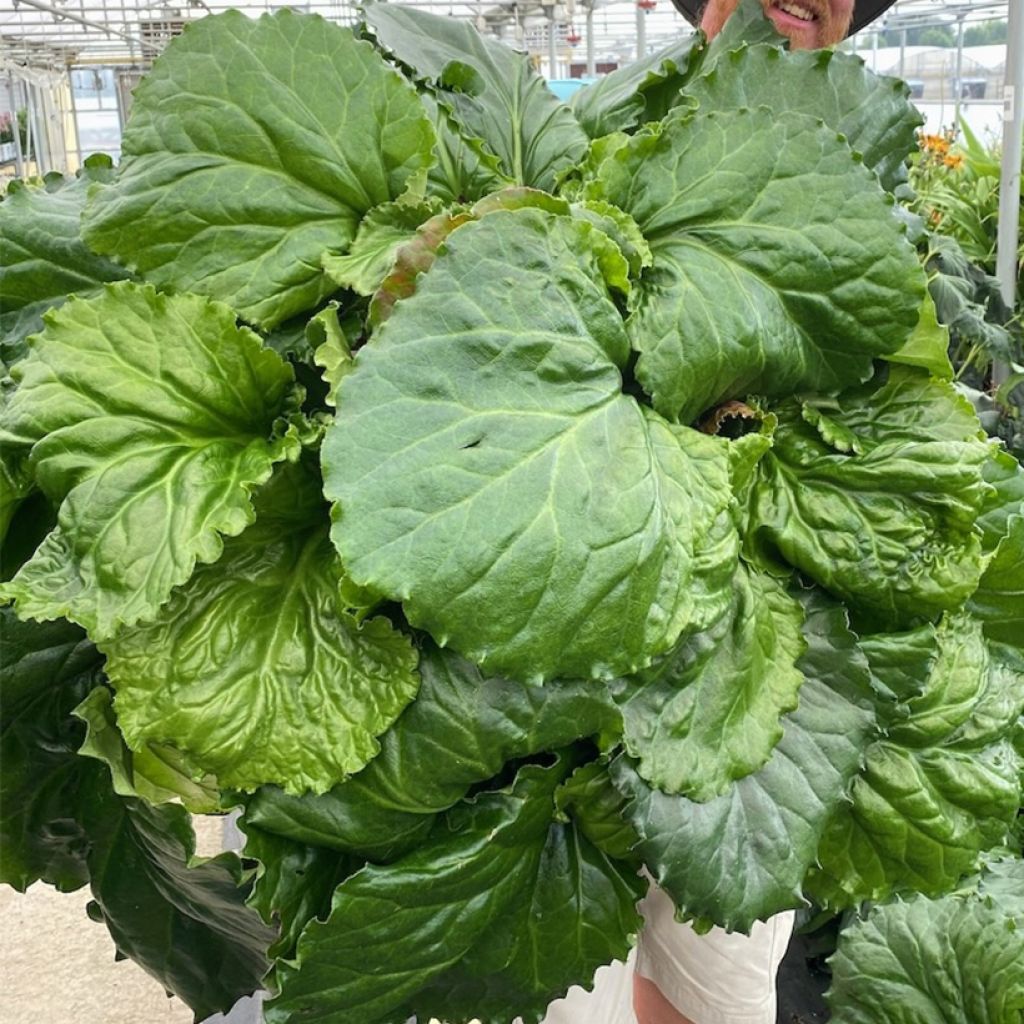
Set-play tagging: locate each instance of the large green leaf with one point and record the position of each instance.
(478, 439)
(778, 263)
(710, 712)
(255, 670)
(943, 784)
(46, 669)
(742, 857)
(495, 916)
(999, 599)
(150, 419)
(461, 730)
(874, 495)
(493, 92)
(873, 112)
(254, 145)
(956, 960)
(183, 921)
(44, 256)
(644, 90)
(294, 883)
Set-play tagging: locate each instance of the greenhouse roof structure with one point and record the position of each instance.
(58, 33)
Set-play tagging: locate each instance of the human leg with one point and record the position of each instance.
(718, 978)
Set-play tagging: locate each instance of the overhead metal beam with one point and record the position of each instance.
(39, 5)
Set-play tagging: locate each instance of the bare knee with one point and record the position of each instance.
(651, 1007)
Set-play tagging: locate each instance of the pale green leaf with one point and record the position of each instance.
(999, 599)
(253, 146)
(928, 345)
(370, 257)
(157, 773)
(256, 671)
(332, 350)
(483, 503)
(151, 418)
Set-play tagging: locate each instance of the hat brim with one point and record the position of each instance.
(864, 12)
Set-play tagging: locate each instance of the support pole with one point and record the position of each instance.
(591, 61)
(19, 156)
(552, 53)
(641, 33)
(958, 80)
(1009, 179)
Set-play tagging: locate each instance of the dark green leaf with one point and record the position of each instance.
(294, 883)
(778, 264)
(956, 960)
(873, 112)
(460, 730)
(643, 90)
(943, 785)
(742, 857)
(874, 495)
(182, 921)
(44, 257)
(495, 916)
(46, 669)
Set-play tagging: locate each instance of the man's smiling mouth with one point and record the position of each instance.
(795, 10)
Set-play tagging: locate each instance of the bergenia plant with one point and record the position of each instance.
(491, 499)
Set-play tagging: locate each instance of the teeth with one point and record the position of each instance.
(796, 10)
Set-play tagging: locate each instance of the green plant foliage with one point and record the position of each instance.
(941, 961)
(44, 256)
(241, 204)
(501, 503)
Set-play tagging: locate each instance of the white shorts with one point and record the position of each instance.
(718, 978)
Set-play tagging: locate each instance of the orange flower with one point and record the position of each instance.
(954, 160)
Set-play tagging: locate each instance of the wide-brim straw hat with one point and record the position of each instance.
(864, 12)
